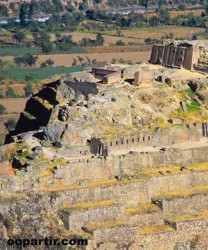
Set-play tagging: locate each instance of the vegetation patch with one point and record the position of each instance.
(40, 73)
(182, 193)
(90, 205)
(196, 167)
(143, 209)
(157, 229)
(203, 215)
(50, 168)
(38, 51)
(13, 149)
(108, 224)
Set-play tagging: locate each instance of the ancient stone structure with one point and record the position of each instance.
(107, 145)
(142, 76)
(182, 55)
(107, 75)
(117, 164)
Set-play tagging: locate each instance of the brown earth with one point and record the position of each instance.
(158, 32)
(67, 59)
(14, 105)
(17, 87)
(3, 120)
(113, 49)
(174, 13)
(109, 40)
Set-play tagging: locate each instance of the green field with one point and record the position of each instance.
(38, 51)
(40, 73)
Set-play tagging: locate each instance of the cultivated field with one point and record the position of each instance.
(18, 88)
(158, 32)
(109, 39)
(174, 13)
(13, 105)
(136, 36)
(67, 59)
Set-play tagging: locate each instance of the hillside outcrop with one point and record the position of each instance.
(113, 156)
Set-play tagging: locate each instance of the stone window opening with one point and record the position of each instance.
(127, 141)
(143, 138)
(111, 144)
(122, 142)
(138, 139)
(132, 140)
(148, 138)
(99, 149)
(116, 142)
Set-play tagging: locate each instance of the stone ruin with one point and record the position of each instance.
(109, 145)
(143, 188)
(185, 54)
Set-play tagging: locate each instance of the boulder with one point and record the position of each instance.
(53, 132)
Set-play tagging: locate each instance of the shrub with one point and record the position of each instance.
(28, 89)
(2, 109)
(30, 77)
(10, 124)
(120, 43)
(10, 92)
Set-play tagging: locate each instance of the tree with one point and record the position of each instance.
(23, 14)
(3, 10)
(10, 124)
(47, 63)
(26, 60)
(19, 36)
(74, 63)
(65, 43)
(47, 47)
(28, 89)
(10, 92)
(2, 109)
(164, 16)
(18, 60)
(58, 6)
(120, 43)
(99, 40)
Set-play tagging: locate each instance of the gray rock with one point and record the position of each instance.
(57, 144)
(33, 156)
(46, 143)
(37, 149)
(53, 132)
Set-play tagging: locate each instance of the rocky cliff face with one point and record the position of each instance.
(73, 110)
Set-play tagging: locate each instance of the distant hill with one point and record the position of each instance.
(119, 3)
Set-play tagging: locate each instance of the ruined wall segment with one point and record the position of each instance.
(181, 55)
(108, 145)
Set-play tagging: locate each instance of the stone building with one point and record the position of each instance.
(182, 55)
(108, 75)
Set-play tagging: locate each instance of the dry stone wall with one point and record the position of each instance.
(131, 194)
(185, 231)
(180, 206)
(94, 169)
